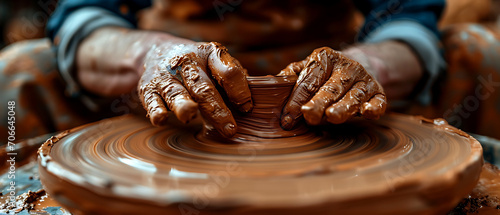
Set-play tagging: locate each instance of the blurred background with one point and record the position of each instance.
(470, 39)
(23, 19)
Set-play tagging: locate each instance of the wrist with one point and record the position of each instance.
(403, 64)
(396, 66)
(110, 61)
(143, 43)
(372, 63)
(125, 49)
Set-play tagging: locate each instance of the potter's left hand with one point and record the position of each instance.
(331, 87)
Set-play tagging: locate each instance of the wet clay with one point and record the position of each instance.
(331, 87)
(262, 124)
(395, 165)
(485, 197)
(180, 76)
(34, 202)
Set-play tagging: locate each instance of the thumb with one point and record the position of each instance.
(231, 76)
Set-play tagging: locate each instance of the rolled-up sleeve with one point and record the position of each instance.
(74, 20)
(412, 22)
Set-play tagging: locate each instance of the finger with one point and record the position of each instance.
(315, 73)
(349, 105)
(375, 107)
(330, 92)
(210, 103)
(294, 68)
(231, 76)
(345, 73)
(177, 98)
(153, 103)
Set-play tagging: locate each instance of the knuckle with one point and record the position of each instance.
(172, 97)
(333, 89)
(145, 89)
(325, 49)
(358, 94)
(216, 45)
(294, 67)
(382, 99)
(190, 74)
(142, 89)
(168, 87)
(372, 87)
(176, 62)
(310, 87)
(204, 90)
(213, 47)
(345, 80)
(346, 65)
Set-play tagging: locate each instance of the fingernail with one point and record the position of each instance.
(247, 107)
(334, 116)
(158, 117)
(306, 107)
(229, 130)
(312, 117)
(186, 111)
(287, 122)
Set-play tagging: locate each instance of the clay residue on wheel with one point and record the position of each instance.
(263, 169)
(485, 197)
(44, 151)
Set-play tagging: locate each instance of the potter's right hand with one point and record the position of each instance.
(182, 77)
(331, 88)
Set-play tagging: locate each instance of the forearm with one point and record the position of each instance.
(109, 61)
(394, 64)
(415, 24)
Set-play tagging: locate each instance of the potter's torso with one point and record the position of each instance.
(264, 36)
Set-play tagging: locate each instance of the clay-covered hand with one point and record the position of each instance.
(182, 77)
(331, 87)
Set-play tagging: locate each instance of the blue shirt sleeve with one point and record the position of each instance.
(125, 9)
(410, 21)
(380, 12)
(413, 22)
(73, 21)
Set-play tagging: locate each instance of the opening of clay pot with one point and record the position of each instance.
(269, 95)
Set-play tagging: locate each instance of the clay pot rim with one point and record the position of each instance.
(272, 80)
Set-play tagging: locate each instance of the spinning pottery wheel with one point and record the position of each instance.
(396, 165)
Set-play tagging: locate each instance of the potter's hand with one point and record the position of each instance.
(333, 88)
(181, 77)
